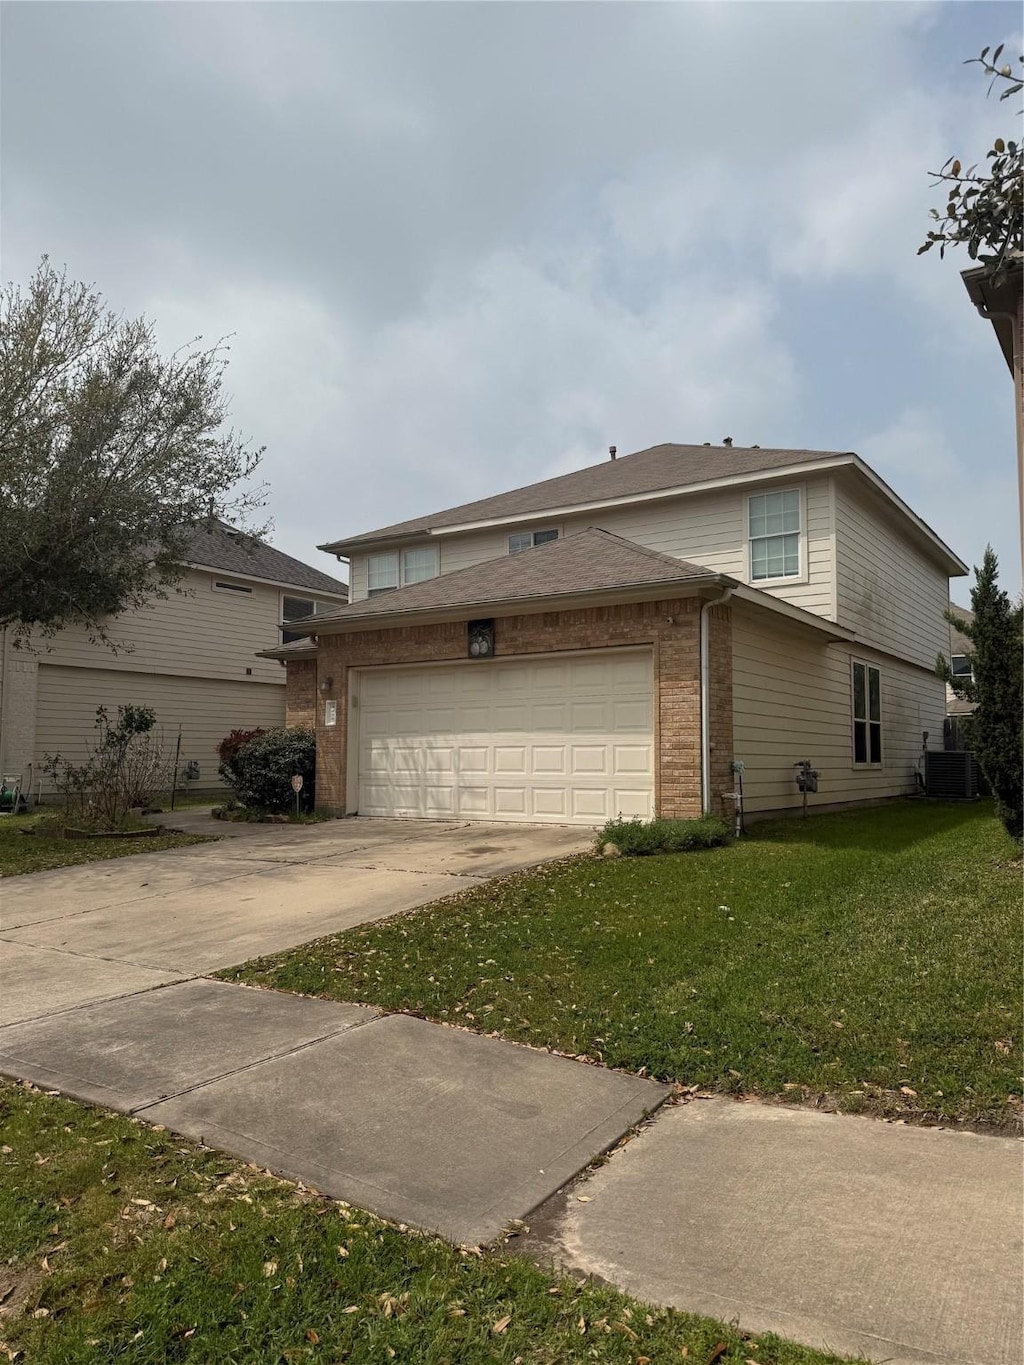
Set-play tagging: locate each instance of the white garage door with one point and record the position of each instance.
(568, 740)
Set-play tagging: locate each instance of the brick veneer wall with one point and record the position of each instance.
(670, 627)
(300, 693)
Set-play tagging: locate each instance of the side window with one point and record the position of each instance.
(293, 609)
(381, 573)
(867, 714)
(960, 666)
(420, 564)
(774, 533)
(526, 540)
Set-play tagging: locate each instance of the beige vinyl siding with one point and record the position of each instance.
(888, 591)
(195, 631)
(357, 578)
(206, 708)
(709, 529)
(792, 700)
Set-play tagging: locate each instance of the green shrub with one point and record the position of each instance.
(637, 838)
(261, 770)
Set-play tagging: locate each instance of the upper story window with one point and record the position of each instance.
(526, 540)
(774, 528)
(386, 572)
(960, 666)
(225, 585)
(867, 714)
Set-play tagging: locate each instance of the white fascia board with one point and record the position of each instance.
(516, 606)
(796, 614)
(298, 589)
(922, 526)
(658, 494)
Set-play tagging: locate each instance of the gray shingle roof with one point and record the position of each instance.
(645, 471)
(220, 546)
(588, 561)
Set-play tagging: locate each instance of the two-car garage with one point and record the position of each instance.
(565, 738)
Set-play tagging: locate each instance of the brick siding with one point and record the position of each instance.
(671, 628)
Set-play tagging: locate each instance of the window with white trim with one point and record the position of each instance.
(867, 714)
(960, 666)
(381, 573)
(239, 589)
(526, 540)
(419, 564)
(294, 609)
(386, 572)
(773, 521)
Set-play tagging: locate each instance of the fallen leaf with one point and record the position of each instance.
(342, 1252)
(584, 1199)
(718, 1351)
(41, 1313)
(906, 1090)
(501, 1325)
(269, 1268)
(170, 1221)
(312, 1336)
(354, 1308)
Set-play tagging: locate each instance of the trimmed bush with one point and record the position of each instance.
(638, 838)
(262, 768)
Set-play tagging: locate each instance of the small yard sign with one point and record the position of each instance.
(297, 783)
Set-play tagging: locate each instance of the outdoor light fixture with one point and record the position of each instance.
(327, 684)
(480, 639)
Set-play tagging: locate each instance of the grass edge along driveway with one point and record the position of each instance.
(867, 960)
(122, 1241)
(20, 855)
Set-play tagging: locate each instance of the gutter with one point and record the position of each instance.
(705, 696)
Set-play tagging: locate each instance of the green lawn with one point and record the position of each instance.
(122, 1242)
(870, 957)
(39, 854)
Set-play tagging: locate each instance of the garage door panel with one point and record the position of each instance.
(520, 742)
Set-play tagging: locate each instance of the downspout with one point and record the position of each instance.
(705, 697)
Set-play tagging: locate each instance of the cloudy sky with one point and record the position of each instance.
(461, 247)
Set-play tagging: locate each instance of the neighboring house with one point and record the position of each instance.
(608, 642)
(960, 665)
(190, 656)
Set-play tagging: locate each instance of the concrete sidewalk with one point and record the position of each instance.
(897, 1243)
(424, 1124)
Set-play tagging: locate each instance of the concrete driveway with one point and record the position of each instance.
(104, 930)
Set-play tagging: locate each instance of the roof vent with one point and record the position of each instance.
(612, 452)
(755, 447)
(707, 443)
(727, 440)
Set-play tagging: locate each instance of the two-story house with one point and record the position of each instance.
(611, 641)
(191, 656)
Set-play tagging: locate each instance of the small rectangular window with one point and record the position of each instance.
(526, 540)
(867, 714)
(292, 608)
(240, 589)
(381, 573)
(330, 713)
(960, 666)
(774, 532)
(420, 564)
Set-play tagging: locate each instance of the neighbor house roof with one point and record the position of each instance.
(294, 649)
(589, 562)
(216, 545)
(646, 471)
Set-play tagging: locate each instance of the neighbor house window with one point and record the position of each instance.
(381, 573)
(960, 666)
(774, 527)
(293, 609)
(419, 564)
(867, 714)
(239, 589)
(526, 540)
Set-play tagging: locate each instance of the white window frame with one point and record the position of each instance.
(866, 719)
(398, 557)
(801, 539)
(548, 532)
(235, 589)
(431, 550)
(969, 673)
